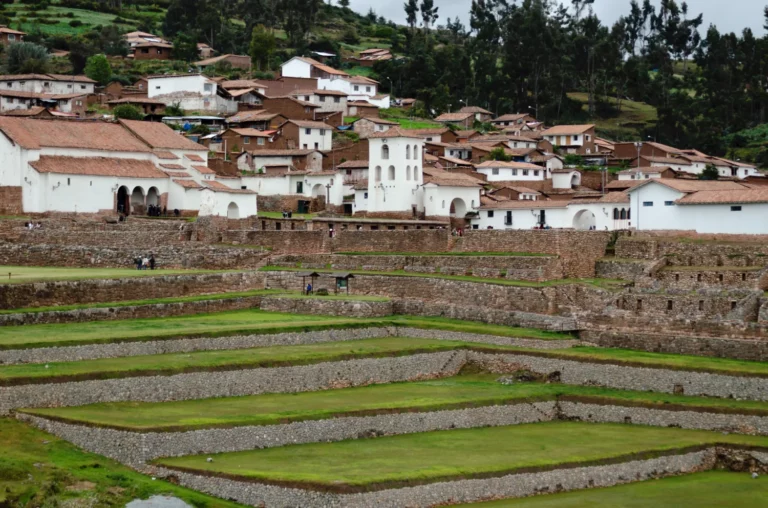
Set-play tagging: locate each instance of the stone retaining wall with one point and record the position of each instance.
(679, 343)
(708, 277)
(130, 312)
(349, 308)
(187, 255)
(622, 269)
(279, 241)
(689, 252)
(125, 349)
(44, 294)
(646, 379)
(137, 448)
(459, 491)
(422, 240)
(202, 385)
(532, 268)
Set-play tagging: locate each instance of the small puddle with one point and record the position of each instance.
(158, 502)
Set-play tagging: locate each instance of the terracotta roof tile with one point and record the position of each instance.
(220, 187)
(33, 134)
(254, 133)
(444, 178)
(307, 124)
(188, 184)
(252, 116)
(505, 164)
(354, 165)
(395, 132)
(166, 155)
(298, 152)
(453, 117)
(193, 157)
(97, 166)
(564, 130)
(474, 110)
(173, 166)
(514, 204)
(509, 118)
(204, 170)
(731, 197)
(159, 135)
(688, 186)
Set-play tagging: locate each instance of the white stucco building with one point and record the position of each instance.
(48, 83)
(193, 92)
(101, 167)
(396, 177)
(701, 206)
(502, 171)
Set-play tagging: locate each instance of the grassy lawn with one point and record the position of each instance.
(279, 215)
(342, 297)
(713, 489)
(88, 18)
(38, 469)
(249, 321)
(447, 254)
(359, 70)
(25, 274)
(625, 124)
(199, 361)
(433, 456)
(601, 283)
(466, 390)
(154, 301)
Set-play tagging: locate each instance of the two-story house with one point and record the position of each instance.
(305, 135)
(574, 139)
(192, 92)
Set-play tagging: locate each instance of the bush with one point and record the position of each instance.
(127, 112)
(75, 23)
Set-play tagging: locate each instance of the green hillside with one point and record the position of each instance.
(627, 121)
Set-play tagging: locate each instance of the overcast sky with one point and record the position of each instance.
(728, 15)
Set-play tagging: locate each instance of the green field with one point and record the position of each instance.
(41, 470)
(626, 124)
(601, 283)
(714, 489)
(199, 361)
(249, 321)
(447, 254)
(26, 274)
(89, 19)
(466, 390)
(371, 464)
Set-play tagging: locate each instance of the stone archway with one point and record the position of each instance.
(233, 211)
(584, 220)
(138, 201)
(123, 200)
(458, 208)
(153, 197)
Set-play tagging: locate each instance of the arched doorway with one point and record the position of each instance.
(153, 197)
(123, 201)
(584, 220)
(317, 191)
(575, 180)
(233, 211)
(138, 203)
(458, 208)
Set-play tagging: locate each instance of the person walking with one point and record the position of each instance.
(145, 263)
(151, 261)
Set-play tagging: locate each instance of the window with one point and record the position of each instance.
(367, 88)
(415, 152)
(408, 173)
(70, 86)
(416, 173)
(575, 138)
(508, 219)
(408, 152)
(735, 208)
(322, 132)
(159, 51)
(391, 173)
(299, 187)
(11, 37)
(378, 173)
(669, 203)
(525, 172)
(208, 87)
(589, 138)
(385, 152)
(307, 131)
(443, 203)
(322, 98)
(490, 214)
(365, 195)
(495, 171)
(317, 146)
(514, 172)
(306, 146)
(357, 88)
(337, 100)
(615, 214)
(157, 88)
(69, 182)
(82, 87)
(535, 172)
(260, 141)
(10, 85)
(306, 98)
(647, 203)
(246, 140)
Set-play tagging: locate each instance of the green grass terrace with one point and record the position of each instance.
(275, 356)
(596, 282)
(28, 274)
(250, 321)
(406, 460)
(713, 489)
(463, 391)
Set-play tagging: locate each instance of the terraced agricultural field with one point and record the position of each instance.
(376, 464)
(462, 391)
(24, 274)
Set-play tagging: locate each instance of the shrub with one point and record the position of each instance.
(75, 23)
(127, 112)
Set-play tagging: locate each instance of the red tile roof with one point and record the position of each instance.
(97, 166)
(220, 187)
(205, 170)
(193, 157)
(103, 136)
(159, 135)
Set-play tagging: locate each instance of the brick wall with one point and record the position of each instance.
(578, 250)
(11, 201)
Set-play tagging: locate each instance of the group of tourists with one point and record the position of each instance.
(156, 211)
(31, 225)
(145, 263)
(287, 214)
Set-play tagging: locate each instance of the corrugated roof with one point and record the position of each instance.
(97, 166)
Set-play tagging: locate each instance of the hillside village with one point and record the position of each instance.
(314, 140)
(340, 271)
